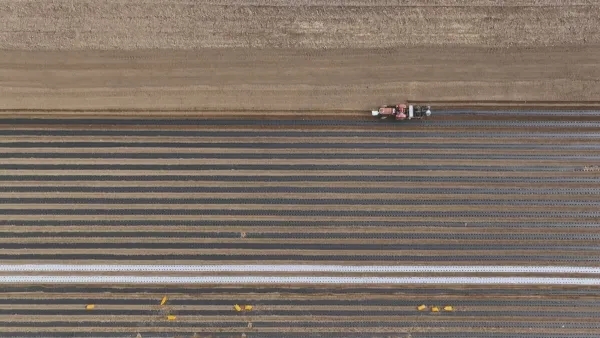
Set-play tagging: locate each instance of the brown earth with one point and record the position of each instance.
(306, 24)
(29, 200)
(293, 79)
(31, 237)
(482, 306)
(310, 54)
(293, 55)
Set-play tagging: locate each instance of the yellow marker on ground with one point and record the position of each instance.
(237, 308)
(421, 307)
(163, 301)
(248, 307)
(448, 308)
(435, 309)
(171, 317)
(90, 307)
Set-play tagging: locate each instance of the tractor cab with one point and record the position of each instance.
(418, 112)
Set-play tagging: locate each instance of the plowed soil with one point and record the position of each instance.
(283, 54)
(231, 55)
(306, 24)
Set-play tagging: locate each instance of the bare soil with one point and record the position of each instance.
(281, 79)
(307, 24)
(309, 54)
(232, 55)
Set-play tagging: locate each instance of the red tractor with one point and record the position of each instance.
(403, 112)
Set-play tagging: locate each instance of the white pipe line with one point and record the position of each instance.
(298, 268)
(293, 280)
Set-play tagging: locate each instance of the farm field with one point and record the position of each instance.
(206, 189)
(227, 133)
(283, 54)
(292, 79)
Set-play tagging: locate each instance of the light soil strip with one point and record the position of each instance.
(357, 138)
(255, 232)
(315, 160)
(582, 150)
(19, 279)
(176, 218)
(587, 211)
(160, 240)
(416, 186)
(175, 196)
(299, 268)
(200, 261)
(368, 136)
(310, 174)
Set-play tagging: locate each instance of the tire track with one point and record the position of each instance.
(246, 156)
(268, 178)
(132, 255)
(302, 235)
(283, 122)
(301, 190)
(295, 201)
(303, 213)
(272, 167)
(300, 224)
(299, 247)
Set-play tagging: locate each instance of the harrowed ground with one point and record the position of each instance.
(269, 186)
(303, 55)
